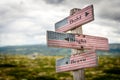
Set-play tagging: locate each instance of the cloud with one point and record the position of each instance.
(110, 11)
(26, 21)
(54, 1)
(21, 39)
(102, 31)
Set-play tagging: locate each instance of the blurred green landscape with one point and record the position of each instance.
(22, 67)
(30, 63)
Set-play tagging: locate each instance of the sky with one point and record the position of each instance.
(25, 22)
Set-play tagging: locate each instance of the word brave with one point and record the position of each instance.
(77, 61)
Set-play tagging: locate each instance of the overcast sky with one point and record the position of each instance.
(24, 22)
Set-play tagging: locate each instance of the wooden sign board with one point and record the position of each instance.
(79, 18)
(77, 61)
(76, 41)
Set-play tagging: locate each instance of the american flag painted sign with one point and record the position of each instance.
(77, 61)
(81, 17)
(76, 41)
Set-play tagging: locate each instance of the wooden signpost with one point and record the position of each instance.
(77, 61)
(77, 41)
(80, 17)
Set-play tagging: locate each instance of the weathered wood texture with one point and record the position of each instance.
(77, 74)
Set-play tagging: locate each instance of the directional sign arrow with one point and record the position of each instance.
(76, 41)
(86, 14)
(67, 39)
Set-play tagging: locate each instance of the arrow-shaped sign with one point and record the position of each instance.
(83, 16)
(86, 14)
(76, 41)
(78, 61)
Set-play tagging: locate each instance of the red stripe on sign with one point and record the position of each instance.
(67, 69)
(86, 57)
(91, 53)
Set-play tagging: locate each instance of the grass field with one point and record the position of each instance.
(21, 67)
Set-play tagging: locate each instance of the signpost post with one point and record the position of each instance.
(77, 74)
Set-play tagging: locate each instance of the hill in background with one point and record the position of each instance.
(44, 50)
